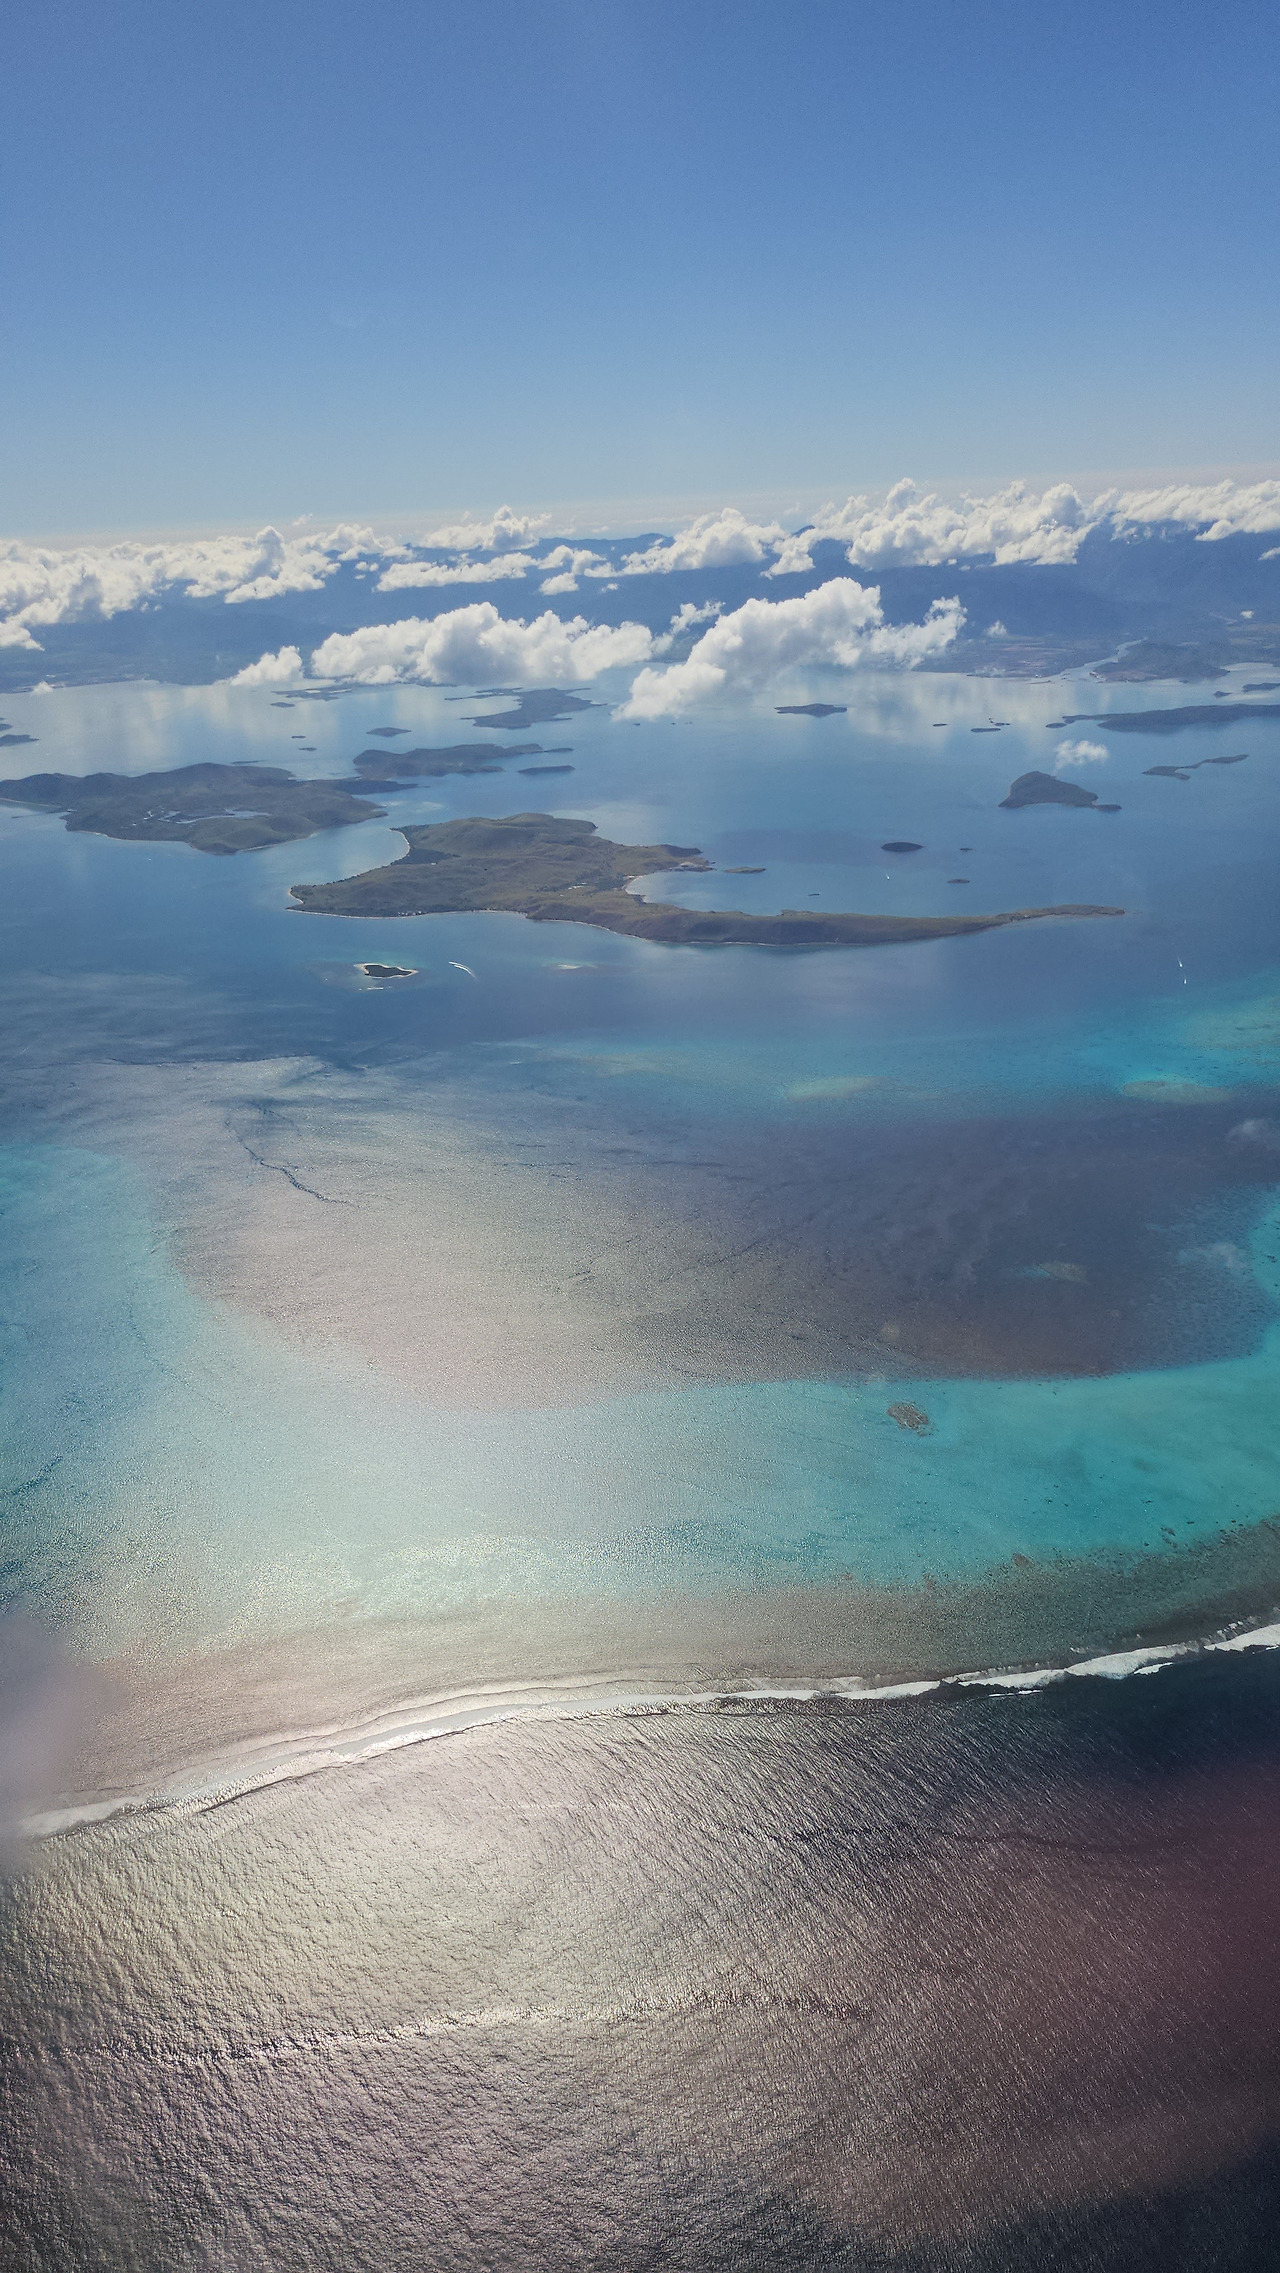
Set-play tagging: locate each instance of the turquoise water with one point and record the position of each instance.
(169, 1468)
(189, 1465)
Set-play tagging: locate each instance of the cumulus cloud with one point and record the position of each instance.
(911, 528)
(40, 585)
(1080, 754)
(283, 669)
(1217, 509)
(915, 529)
(683, 622)
(568, 563)
(718, 540)
(403, 575)
(475, 646)
(503, 532)
(794, 555)
(840, 623)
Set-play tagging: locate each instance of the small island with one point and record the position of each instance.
(1193, 765)
(1049, 789)
(1173, 721)
(537, 706)
(213, 808)
(561, 871)
(430, 765)
(901, 844)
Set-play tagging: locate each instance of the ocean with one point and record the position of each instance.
(551, 1505)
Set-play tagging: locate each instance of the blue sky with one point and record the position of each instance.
(263, 260)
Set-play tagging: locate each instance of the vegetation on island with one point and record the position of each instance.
(1172, 721)
(1046, 789)
(214, 808)
(562, 871)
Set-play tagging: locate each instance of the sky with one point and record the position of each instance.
(289, 257)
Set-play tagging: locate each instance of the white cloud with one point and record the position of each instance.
(404, 575)
(283, 669)
(911, 529)
(503, 532)
(40, 585)
(475, 646)
(1217, 509)
(568, 564)
(1080, 754)
(914, 529)
(718, 540)
(684, 620)
(795, 553)
(840, 623)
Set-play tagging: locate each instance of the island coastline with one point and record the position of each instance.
(553, 870)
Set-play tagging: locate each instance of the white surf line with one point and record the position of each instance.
(192, 1796)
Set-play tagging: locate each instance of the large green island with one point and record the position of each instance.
(561, 871)
(214, 808)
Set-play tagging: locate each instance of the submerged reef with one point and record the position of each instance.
(214, 808)
(561, 871)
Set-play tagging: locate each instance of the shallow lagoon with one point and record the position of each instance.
(583, 1272)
